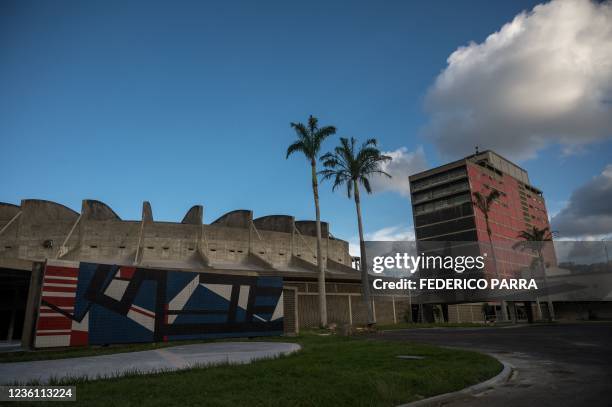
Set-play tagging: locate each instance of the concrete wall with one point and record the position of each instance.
(344, 305)
(38, 230)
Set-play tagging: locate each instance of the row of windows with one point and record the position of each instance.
(442, 203)
(444, 215)
(445, 227)
(469, 236)
(437, 192)
(436, 179)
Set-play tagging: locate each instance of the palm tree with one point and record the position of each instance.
(484, 203)
(310, 138)
(535, 240)
(353, 166)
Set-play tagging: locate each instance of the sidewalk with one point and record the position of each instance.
(151, 361)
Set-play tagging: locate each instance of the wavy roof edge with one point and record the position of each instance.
(97, 210)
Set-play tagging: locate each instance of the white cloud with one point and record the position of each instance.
(392, 233)
(403, 164)
(354, 248)
(387, 234)
(544, 78)
(588, 214)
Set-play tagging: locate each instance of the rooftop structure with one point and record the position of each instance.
(38, 230)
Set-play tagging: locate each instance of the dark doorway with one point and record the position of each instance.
(14, 286)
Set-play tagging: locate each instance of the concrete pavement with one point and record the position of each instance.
(555, 365)
(165, 359)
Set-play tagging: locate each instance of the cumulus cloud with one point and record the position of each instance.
(588, 214)
(544, 78)
(391, 234)
(403, 164)
(387, 234)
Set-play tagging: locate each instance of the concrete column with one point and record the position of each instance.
(513, 316)
(427, 314)
(504, 311)
(373, 310)
(350, 310)
(32, 306)
(444, 312)
(528, 311)
(539, 309)
(11, 327)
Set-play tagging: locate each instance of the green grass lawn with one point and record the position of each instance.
(329, 370)
(75, 352)
(411, 325)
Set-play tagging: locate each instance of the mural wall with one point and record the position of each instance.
(98, 304)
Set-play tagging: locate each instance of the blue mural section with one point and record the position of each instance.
(106, 326)
(116, 304)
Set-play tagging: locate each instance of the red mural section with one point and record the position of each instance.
(57, 303)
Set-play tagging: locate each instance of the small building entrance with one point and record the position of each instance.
(14, 285)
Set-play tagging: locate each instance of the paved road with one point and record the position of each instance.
(555, 365)
(173, 358)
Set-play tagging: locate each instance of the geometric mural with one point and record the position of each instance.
(97, 304)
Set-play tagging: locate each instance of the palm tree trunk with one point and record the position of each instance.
(551, 309)
(504, 308)
(537, 298)
(365, 281)
(320, 262)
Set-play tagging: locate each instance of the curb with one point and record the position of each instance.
(501, 377)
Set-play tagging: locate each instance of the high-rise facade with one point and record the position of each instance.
(444, 211)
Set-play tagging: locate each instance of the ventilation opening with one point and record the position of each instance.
(93, 246)
(150, 247)
(122, 247)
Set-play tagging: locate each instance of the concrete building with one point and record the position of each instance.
(442, 200)
(445, 216)
(234, 246)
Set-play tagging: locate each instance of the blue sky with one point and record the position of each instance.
(183, 103)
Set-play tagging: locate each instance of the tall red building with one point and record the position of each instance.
(443, 209)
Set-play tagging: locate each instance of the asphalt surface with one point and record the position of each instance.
(554, 365)
(150, 361)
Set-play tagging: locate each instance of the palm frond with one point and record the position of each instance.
(371, 142)
(301, 130)
(346, 164)
(312, 124)
(366, 184)
(492, 196)
(298, 146)
(349, 188)
(483, 202)
(320, 136)
(310, 137)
